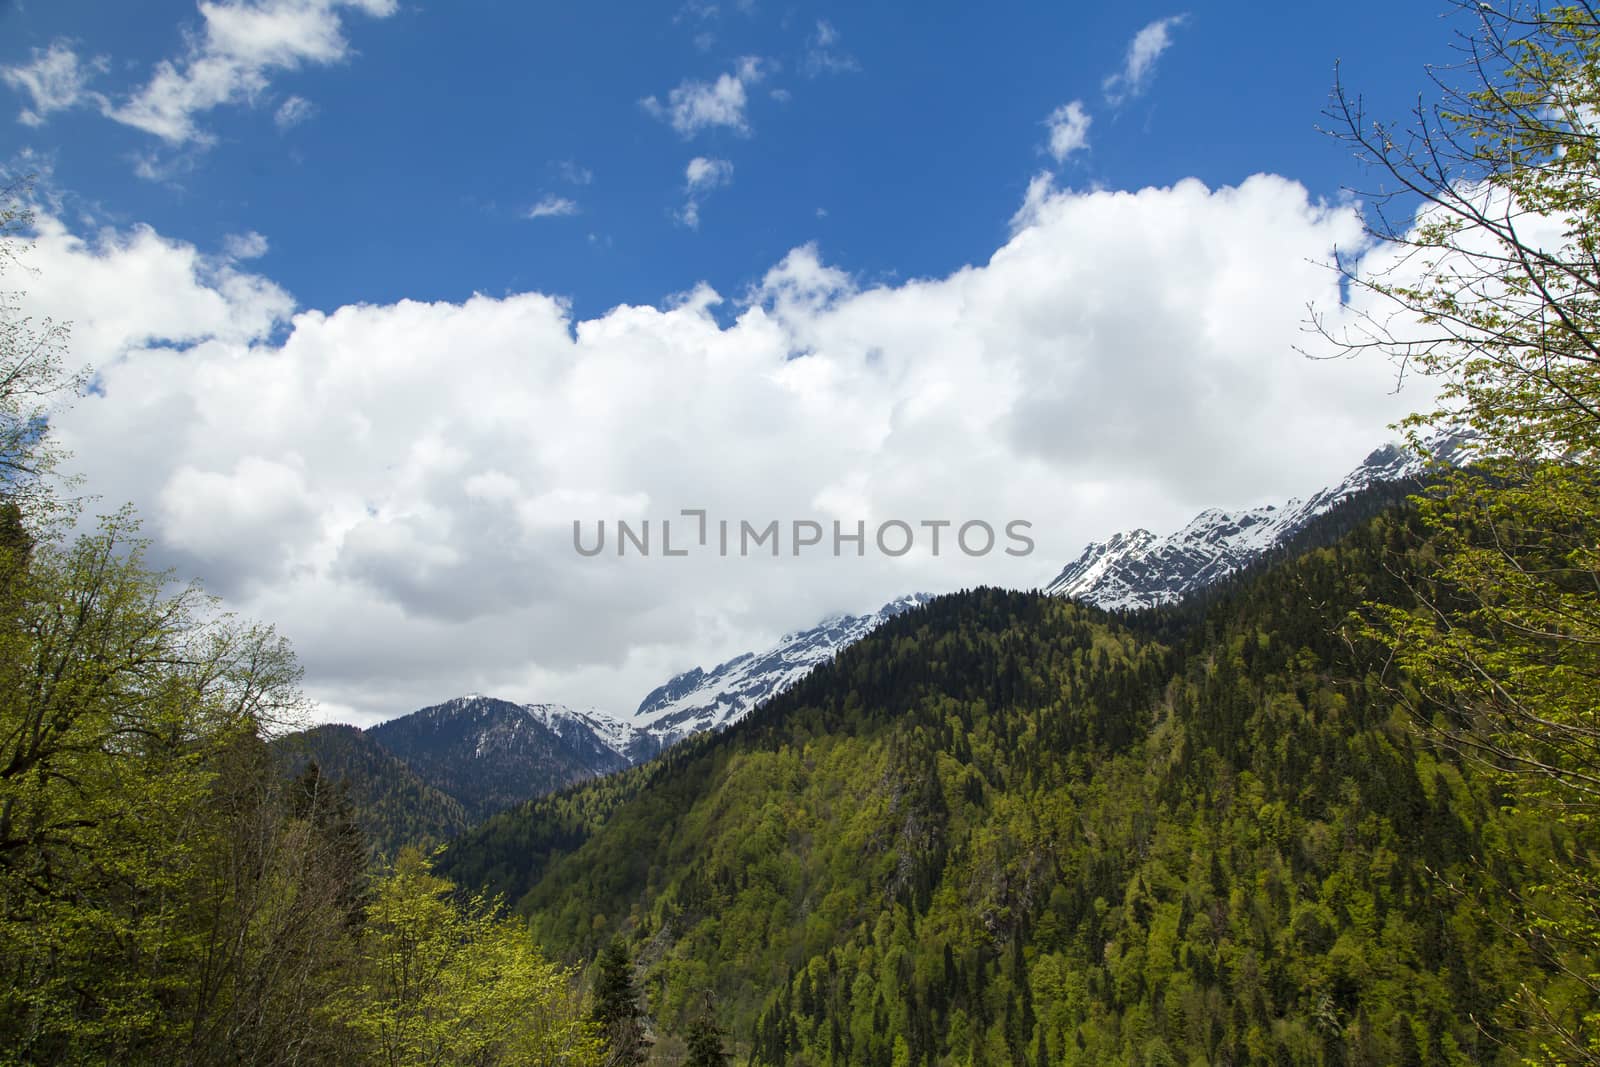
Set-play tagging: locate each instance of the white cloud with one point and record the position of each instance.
(56, 80)
(404, 513)
(165, 167)
(241, 246)
(1139, 65)
(700, 177)
(703, 173)
(232, 58)
(696, 105)
(1069, 130)
(823, 56)
(136, 288)
(292, 112)
(552, 206)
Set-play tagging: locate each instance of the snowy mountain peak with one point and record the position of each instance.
(1100, 560)
(489, 753)
(699, 700)
(1138, 569)
(498, 715)
(610, 731)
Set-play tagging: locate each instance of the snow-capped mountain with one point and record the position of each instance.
(1139, 569)
(609, 731)
(699, 700)
(490, 754)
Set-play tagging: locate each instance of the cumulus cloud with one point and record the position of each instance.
(55, 80)
(1139, 65)
(552, 206)
(1069, 130)
(124, 290)
(232, 59)
(694, 106)
(700, 177)
(395, 485)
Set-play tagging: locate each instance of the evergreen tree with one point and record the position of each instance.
(616, 1007)
(704, 1039)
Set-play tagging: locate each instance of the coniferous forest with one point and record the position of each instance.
(1336, 809)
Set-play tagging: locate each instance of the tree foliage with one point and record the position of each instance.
(445, 982)
(33, 378)
(704, 1040)
(615, 1009)
(1007, 829)
(1497, 282)
(167, 894)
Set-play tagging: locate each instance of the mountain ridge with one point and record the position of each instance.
(1138, 569)
(518, 751)
(1011, 827)
(698, 700)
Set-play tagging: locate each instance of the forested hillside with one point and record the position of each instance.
(1007, 829)
(392, 804)
(1338, 808)
(490, 754)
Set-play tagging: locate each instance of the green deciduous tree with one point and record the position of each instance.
(167, 896)
(442, 982)
(33, 378)
(1497, 284)
(121, 707)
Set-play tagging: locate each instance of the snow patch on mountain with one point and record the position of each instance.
(491, 753)
(689, 703)
(610, 731)
(1139, 569)
(698, 700)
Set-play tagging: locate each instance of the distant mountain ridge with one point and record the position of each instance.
(462, 760)
(1177, 826)
(490, 753)
(1139, 569)
(487, 754)
(698, 700)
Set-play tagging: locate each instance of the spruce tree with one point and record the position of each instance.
(616, 1007)
(705, 1040)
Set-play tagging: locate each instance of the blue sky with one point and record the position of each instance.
(915, 130)
(382, 296)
